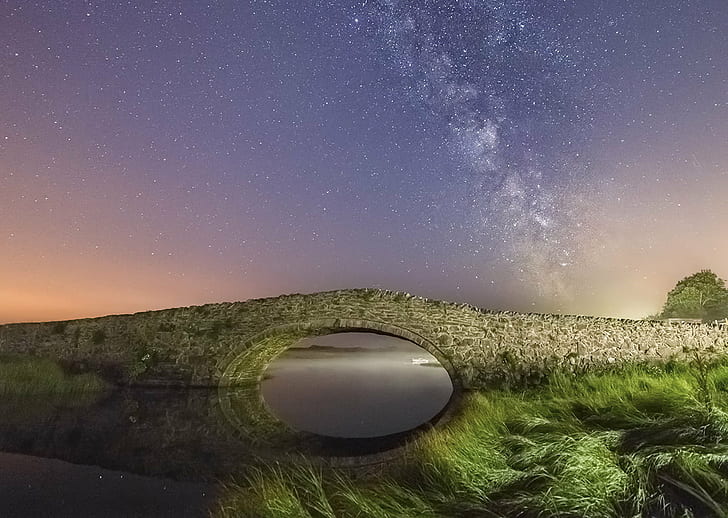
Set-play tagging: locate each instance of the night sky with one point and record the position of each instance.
(551, 156)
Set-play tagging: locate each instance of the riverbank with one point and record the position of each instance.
(22, 375)
(636, 440)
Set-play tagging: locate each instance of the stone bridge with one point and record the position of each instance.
(225, 343)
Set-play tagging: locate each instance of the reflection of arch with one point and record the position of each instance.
(242, 370)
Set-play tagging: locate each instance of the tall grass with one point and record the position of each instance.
(634, 442)
(21, 375)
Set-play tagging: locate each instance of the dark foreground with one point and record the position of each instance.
(33, 486)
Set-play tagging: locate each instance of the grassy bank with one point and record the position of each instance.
(24, 375)
(634, 442)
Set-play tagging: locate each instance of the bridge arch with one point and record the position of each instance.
(243, 369)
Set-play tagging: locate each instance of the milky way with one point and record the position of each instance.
(515, 90)
(565, 156)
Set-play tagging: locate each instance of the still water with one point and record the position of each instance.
(33, 486)
(136, 452)
(161, 452)
(356, 385)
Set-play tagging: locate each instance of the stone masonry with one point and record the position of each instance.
(192, 346)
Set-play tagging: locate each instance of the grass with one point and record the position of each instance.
(637, 441)
(23, 375)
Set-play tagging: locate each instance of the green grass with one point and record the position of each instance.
(22, 375)
(638, 441)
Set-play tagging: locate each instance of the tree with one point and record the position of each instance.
(701, 295)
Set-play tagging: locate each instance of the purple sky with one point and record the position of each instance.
(557, 156)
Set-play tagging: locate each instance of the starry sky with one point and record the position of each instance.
(564, 156)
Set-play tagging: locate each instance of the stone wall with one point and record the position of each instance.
(193, 345)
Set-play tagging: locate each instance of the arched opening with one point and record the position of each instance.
(244, 370)
(355, 385)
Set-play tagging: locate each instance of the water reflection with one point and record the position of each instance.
(179, 434)
(356, 385)
(95, 456)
